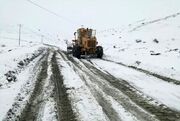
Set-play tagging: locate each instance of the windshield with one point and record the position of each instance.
(89, 33)
(93, 33)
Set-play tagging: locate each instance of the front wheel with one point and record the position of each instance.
(99, 51)
(77, 52)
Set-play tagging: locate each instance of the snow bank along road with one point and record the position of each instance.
(61, 87)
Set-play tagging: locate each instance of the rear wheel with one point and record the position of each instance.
(99, 51)
(69, 50)
(77, 52)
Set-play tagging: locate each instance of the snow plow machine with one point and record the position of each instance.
(85, 44)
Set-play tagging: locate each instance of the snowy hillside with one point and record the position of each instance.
(153, 45)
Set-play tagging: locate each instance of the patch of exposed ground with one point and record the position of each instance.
(65, 111)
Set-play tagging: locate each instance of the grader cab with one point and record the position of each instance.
(85, 43)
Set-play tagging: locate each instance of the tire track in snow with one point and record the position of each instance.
(31, 110)
(101, 89)
(48, 108)
(103, 102)
(164, 78)
(162, 112)
(65, 112)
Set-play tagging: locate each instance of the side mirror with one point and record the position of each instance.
(96, 43)
(75, 35)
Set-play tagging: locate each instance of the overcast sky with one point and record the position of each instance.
(98, 14)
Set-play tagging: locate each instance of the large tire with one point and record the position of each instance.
(69, 50)
(77, 52)
(99, 51)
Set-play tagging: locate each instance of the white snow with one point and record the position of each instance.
(120, 45)
(49, 112)
(10, 92)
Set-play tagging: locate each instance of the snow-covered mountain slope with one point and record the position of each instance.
(153, 45)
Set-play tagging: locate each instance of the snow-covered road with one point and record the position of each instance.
(65, 88)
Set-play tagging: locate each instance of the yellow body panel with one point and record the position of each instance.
(86, 41)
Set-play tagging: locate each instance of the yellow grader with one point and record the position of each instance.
(85, 43)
